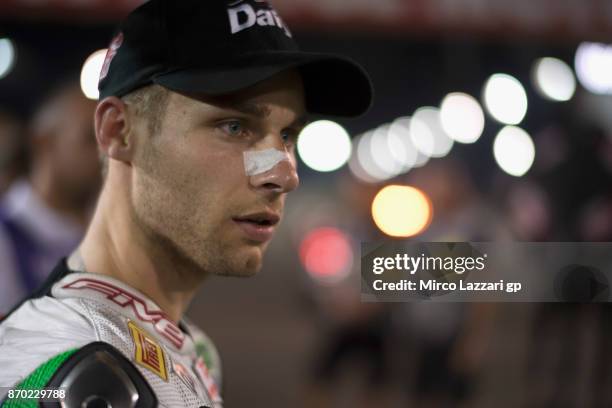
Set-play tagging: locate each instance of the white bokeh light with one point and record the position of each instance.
(554, 79)
(421, 160)
(427, 133)
(400, 143)
(505, 99)
(7, 56)
(366, 160)
(388, 150)
(593, 63)
(90, 74)
(462, 117)
(422, 137)
(382, 154)
(357, 169)
(324, 146)
(514, 150)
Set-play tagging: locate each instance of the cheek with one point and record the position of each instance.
(199, 179)
(214, 172)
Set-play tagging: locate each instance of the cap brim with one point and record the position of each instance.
(333, 85)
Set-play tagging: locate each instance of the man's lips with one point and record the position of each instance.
(258, 226)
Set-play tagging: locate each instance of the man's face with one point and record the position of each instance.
(191, 193)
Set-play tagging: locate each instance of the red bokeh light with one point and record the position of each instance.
(326, 254)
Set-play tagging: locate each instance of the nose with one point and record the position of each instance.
(282, 178)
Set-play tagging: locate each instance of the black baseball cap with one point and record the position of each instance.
(217, 47)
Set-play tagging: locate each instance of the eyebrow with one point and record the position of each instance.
(301, 121)
(259, 111)
(250, 109)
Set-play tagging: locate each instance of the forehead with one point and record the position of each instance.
(284, 90)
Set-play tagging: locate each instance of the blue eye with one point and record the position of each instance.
(289, 136)
(233, 128)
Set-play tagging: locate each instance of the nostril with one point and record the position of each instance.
(271, 186)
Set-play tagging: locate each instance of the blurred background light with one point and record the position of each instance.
(324, 146)
(7, 56)
(462, 117)
(381, 153)
(554, 79)
(400, 143)
(505, 99)
(356, 168)
(593, 63)
(385, 152)
(392, 149)
(427, 133)
(514, 150)
(326, 254)
(366, 160)
(401, 211)
(422, 137)
(421, 160)
(90, 74)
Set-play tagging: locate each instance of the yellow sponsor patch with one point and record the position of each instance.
(149, 353)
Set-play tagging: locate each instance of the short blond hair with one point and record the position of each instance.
(149, 103)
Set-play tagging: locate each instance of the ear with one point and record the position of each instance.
(112, 124)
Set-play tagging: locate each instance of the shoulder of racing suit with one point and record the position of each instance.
(179, 362)
(94, 375)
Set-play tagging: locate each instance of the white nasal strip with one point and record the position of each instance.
(260, 161)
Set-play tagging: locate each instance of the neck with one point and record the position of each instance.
(116, 246)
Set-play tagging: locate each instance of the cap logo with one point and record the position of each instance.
(243, 16)
(110, 54)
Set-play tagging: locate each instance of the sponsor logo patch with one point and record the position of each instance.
(182, 373)
(207, 380)
(110, 54)
(149, 353)
(140, 307)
